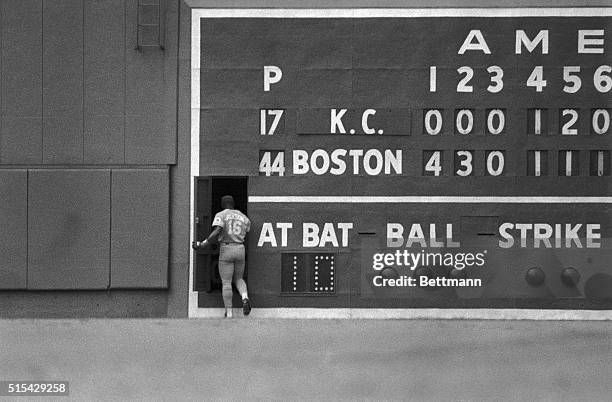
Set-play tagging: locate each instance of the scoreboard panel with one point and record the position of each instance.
(439, 161)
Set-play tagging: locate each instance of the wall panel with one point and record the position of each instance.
(150, 136)
(62, 140)
(104, 139)
(63, 81)
(21, 140)
(13, 236)
(69, 229)
(149, 139)
(140, 226)
(21, 120)
(104, 75)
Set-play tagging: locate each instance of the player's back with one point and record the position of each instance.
(235, 225)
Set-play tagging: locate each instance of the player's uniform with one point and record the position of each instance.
(234, 225)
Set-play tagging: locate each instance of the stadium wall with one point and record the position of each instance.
(88, 152)
(95, 164)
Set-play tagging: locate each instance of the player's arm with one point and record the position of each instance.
(212, 237)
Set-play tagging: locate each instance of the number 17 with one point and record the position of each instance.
(263, 124)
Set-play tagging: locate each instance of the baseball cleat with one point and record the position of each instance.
(246, 307)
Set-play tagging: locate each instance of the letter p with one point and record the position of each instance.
(272, 75)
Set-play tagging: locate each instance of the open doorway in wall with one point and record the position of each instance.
(234, 186)
(209, 190)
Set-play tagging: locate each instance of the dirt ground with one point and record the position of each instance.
(270, 359)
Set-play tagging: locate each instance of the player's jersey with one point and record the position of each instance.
(234, 223)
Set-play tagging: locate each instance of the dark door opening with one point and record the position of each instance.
(209, 191)
(234, 186)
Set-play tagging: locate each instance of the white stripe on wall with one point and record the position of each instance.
(401, 12)
(429, 199)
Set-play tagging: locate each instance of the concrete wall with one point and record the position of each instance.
(87, 147)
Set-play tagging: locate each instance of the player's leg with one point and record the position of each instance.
(226, 272)
(239, 280)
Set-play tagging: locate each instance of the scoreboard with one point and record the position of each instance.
(408, 159)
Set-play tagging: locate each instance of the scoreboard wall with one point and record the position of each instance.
(413, 158)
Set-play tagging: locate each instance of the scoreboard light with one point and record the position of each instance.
(570, 277)
(308, 273)
(535, 276)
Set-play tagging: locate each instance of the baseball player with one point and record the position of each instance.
(230, 227)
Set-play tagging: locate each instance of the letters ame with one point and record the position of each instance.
(590, 41)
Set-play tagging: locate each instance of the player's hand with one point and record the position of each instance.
(199, 244)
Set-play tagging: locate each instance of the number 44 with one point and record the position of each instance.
(269, 167)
